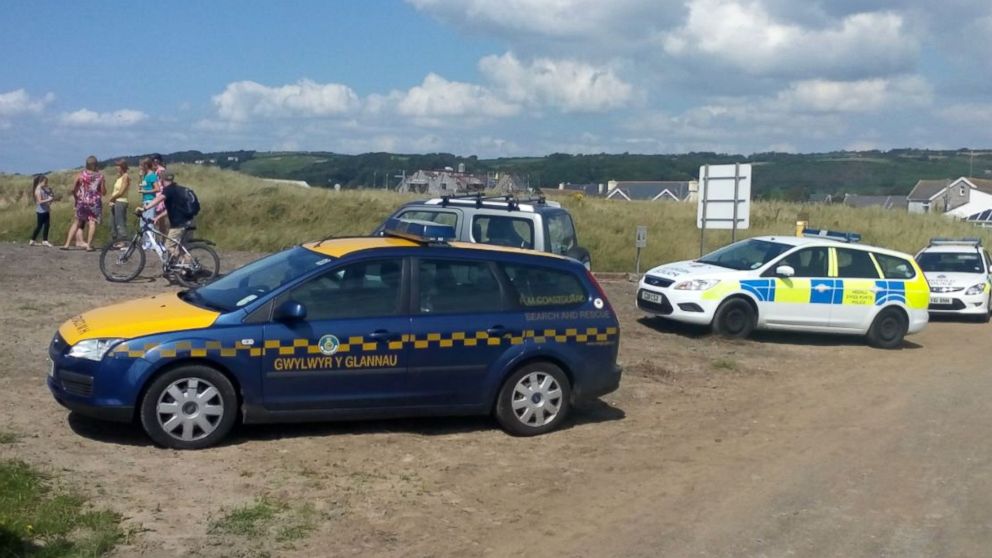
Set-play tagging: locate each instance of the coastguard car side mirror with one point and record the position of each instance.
(785, 271)
(290, 311)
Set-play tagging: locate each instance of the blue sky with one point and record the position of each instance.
(490, 77)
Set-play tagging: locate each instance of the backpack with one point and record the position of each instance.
(188, 202)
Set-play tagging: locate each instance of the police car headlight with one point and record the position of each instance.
(93, 349)
(975, 289)
(696, 284)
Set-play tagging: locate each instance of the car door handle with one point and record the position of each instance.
(499, 331)
(383, 335)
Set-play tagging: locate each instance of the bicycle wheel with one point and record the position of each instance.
(121, 265)
(199, 266)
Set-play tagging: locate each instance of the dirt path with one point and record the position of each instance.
(783, 445)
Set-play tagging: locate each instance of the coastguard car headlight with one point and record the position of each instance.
(696, 285)
(93, 349)
(975, 289)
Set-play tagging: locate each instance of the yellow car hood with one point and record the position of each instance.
(145, 316)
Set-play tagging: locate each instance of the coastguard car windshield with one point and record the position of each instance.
(244, 285)
(950, 262)
(746, 254)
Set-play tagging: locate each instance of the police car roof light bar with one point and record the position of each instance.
(840, 236)
(419, 231)
(966, 241)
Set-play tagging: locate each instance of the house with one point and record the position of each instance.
(979, 192)
(934, 196)
(885, 202)
(652, 190)
(960, 198)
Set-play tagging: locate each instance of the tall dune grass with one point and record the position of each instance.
(245, 213)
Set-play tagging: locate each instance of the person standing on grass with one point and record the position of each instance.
(175, 209)
(43, 198)
(160, 171)
(147, 186)
(88, 190)
(118, 202)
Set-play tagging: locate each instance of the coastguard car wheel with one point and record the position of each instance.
(888, 329)
(734, 318)
(535, 399)
(191, 407)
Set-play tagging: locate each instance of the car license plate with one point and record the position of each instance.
(940, 300)
(51, 369)
(652, 297)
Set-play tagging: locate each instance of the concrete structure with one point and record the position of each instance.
(439, 183)
(448, 181)
(652, 190)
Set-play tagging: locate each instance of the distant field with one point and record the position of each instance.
(241, 212)
(276, 165)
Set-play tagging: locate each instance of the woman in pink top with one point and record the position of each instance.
(88, 191)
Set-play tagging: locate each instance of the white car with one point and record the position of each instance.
(959, 275)
(821, 282)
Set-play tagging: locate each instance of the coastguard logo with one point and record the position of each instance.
(328, 345)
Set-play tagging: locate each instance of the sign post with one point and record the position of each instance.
(724, 200)
(640, 241)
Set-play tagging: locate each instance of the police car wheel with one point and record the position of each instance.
(533, 400)
(888, 329)
(734, 318)
(191, 407)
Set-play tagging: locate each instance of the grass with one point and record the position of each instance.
(241, 212)
(37, 519)
(724, 364)
(266, 519)
(8, 437)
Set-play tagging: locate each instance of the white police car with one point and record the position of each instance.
(821, 282)
(958, 273)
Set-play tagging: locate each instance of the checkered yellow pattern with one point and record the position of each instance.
(360, 344)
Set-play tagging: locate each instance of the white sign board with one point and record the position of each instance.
(641, 241)
(724, 189)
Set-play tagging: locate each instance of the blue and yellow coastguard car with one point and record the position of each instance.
(824, 282)
(401, 325)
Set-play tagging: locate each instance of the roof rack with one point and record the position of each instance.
(427, 232)
(512, 201)
(840, 236)
(967, 241)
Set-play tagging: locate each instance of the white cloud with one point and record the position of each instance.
(568, 85)
(437, 97)
(18, 102)
(553, 18)
(745, 35)
(115, 119)
(970, 115)
(867, 95)
(243, 100)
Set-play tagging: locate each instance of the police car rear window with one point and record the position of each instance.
(895, 268)
(541, 286)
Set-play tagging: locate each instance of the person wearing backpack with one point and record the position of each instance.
(181, 206)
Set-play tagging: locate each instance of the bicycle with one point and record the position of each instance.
(194, 264)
